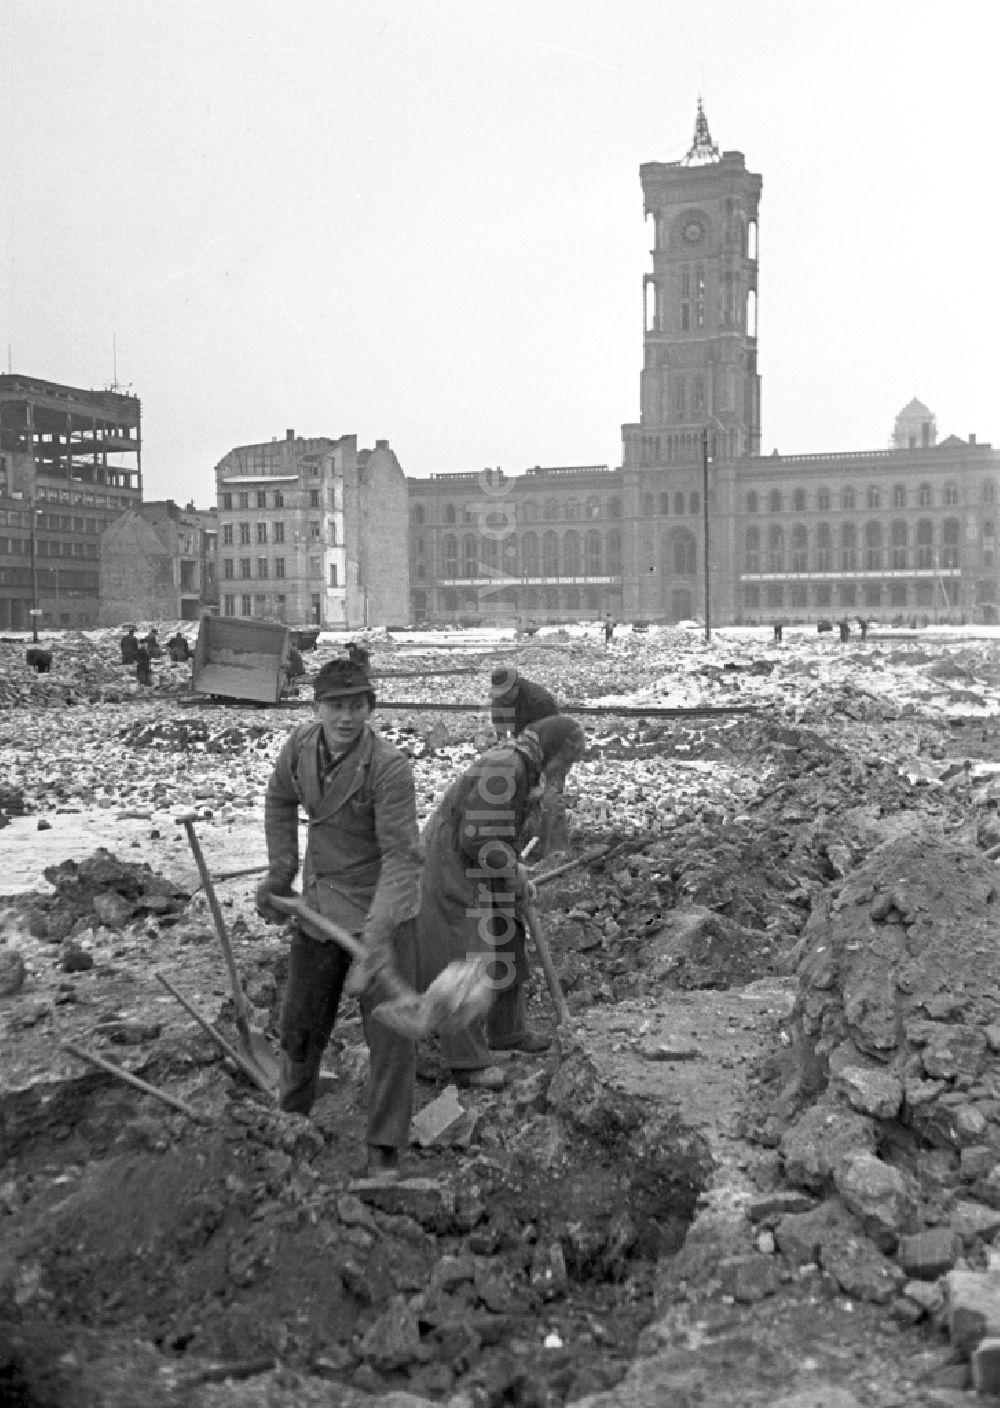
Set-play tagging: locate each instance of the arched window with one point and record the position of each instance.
(873, 547)
(592, 553)
(680, 399)
(989, 492)
(571, 553)
(647, 505)
(530, 511)
(572, 510)
(685, 555)
(698, 400)
(799, 501)
(774, 501)
(664, 504)
(488, 554)
(775, 548)
(752, 502)
(823, 500)
(508, 555)
(824, 548)
(421, 572)
(450, 601)
(848, 547)
(873, 498)
(951, 494)
(751, 554)
(551, 510)
(694, 502)
(925, 542)
(470, 555)
(678, 504)
(615, 507)
(450, 555)
(924, 498)
(573, 599)
(800, 548)
(418, 513)
(550, 555)
(950, 530)
(847, 498)
(898, 535)
(529, 554)
(614, 562)
(449, 513)
(899, 496)
(593, 508)
(591, 598)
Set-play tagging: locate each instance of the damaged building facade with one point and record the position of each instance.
(313, 531)
(905, 530)
(70, 464)
(158, 563)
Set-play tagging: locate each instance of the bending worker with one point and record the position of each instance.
(473, 884)
(362, 869)
(517, 703)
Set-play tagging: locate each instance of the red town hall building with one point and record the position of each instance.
(908, 530)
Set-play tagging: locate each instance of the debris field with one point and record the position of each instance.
(759, 1165)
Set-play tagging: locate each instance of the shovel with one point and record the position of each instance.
(455, 998)
(256, 1046)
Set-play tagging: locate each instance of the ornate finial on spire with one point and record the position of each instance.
(703, 149)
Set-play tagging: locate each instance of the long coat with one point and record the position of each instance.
(531, 703)
(362, 863)
(471, 843)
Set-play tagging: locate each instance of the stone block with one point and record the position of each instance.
(749, 1278)
(884, 1198)
(974, 1220)
(820, 1140)
(875, 1091)
(928, 1255)
(986, 1366)
(973, 1301)
(775, 1205)
(428, 1202)
(976, 1161)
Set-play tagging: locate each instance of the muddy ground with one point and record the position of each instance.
(750, 1169)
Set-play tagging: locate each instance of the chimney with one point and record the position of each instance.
(972, 439)
(381, 444)
(289, 434)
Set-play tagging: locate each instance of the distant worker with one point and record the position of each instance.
(516, 701)
(609, 630)
(39, 660)
(296, 666)
(143, 668)
(130, 646)
(178, 649)
(358, 655)
(779, 626)
(845, 629)
(151, 643)
(863, 627)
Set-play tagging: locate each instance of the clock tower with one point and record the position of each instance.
(700, 309)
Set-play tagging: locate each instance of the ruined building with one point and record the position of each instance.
(158, 563)
(901, 531)
(70, 463)
(313, 531)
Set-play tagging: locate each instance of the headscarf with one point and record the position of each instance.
(551, 735)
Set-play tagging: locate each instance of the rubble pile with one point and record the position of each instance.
(764, 1157)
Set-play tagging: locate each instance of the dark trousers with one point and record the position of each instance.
(316, 975)
(506, 1021)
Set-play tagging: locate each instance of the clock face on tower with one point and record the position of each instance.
(694, 232)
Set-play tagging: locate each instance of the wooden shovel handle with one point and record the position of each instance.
(242, 1016)
(324, 928)
(534, 927)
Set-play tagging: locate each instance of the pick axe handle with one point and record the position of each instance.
(242, 1019)
(534, 927)
(327, 929)
(247, 1067)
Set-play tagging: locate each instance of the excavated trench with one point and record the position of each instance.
(522, 1268)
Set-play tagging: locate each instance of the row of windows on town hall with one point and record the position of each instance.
(242, 567)
(571, 555)
(273, 532)
(873, 552)
(551, 511)
(847, 498)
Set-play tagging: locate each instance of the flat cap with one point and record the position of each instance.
(341, 677)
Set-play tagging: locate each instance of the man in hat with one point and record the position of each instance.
(129, 646)
(361, 869)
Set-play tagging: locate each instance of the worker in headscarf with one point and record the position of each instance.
(473, 883)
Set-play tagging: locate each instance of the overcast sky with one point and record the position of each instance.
(421, 220)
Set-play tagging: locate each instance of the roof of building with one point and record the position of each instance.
(915, 408)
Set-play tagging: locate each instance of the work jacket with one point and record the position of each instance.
(533, 702)
(362, 863)
(471, 843)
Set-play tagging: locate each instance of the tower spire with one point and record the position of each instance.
(702, 149)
